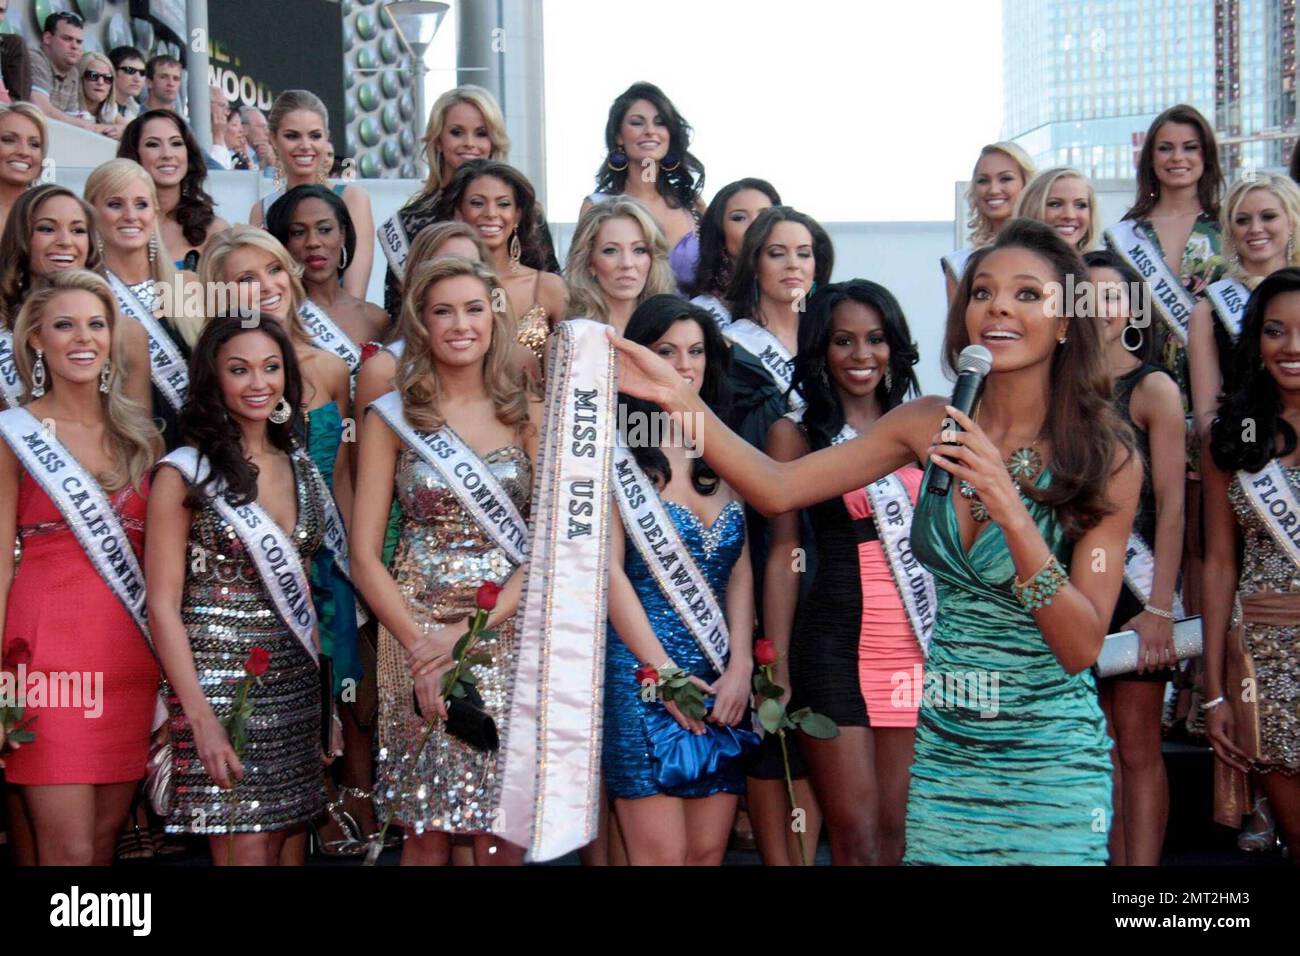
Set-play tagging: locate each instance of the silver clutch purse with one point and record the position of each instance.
(1119, 652)
(158, 779)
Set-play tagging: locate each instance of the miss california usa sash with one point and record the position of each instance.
(550, 797)
(1174, 304)
(470, 480)
(11, 385)
(84, 506)
(769, 351)
(325, 334)
(954, 263)
(647, 523)
(270, 549)
(1274, 500)
(395, 243)
(167, 366)
(1229, 297)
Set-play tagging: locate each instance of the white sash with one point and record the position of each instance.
(1229, 297)
(271, 550)
(328, 336)
(395, 243)
(167, 367)
(84, 506)
(11, 384)
(769, 351)
(954, 263)
(1140, 571)
(470, 480)
(550, 789)
(1274, 501)
(334, 535)
(1171, 300)
(713, 305)
(647, 523)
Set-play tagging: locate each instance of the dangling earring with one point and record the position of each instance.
(99, 246)
(670, 163)
(105, 374)
(1155, 192)
(1061, 340)
(617, 160)
(889, 381)
(343, 259)
(1290, 248)
(282, 412)
(516, 252)
(1123, 338)
(823, 376)
(153, 248)
(1235, 261)
(38, 375)
(278, 183)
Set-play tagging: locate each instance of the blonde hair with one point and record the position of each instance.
(416, 377)
(483, 101)
(585, 296)
(1032, 201)
(87, 58)
(134, 443)
(431, 237)
(212, 269)
(981, 229)
(33, 113)
(290, 101)
(1287, 193)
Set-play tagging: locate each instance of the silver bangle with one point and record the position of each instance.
(1211, 704)
(1158, 612)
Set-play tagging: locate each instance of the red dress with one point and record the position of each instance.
(73, 624)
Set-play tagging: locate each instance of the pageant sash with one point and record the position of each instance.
(470, 480)
(1229, 297)
(647, 523)
(769, 351)
(270, 549)
(84, 506)
(954, 263)
(395, 349)
(1173, 303)
(328, 336)
(1274, 500)
(395, 243)
(551, 782)
(167, 367)
(1140, 571)
(11, 384)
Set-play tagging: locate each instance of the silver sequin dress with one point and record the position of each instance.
(441, 559)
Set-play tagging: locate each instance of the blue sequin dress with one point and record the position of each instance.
(626, 757)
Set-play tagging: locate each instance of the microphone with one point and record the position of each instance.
(972, 365)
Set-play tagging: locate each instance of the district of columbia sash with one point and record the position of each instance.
(1140, 572)
(648, 524)
(167, 367)
(954, 263)
(550, 796)
(1229, 297)
(1274, 501)
(395, 243)
(270, 549)
(11, 384)
(469, 479)
(325, 334)
(1173, 303)
(771, 354)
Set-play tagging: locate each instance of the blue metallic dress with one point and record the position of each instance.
(628, 770)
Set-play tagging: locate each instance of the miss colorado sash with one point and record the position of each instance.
(167, 367)
(84, 506)
(679, 578)
(1139, 572)
(395, 243)
(1229, 297)
(771, 354)
(1174, 304)
(11, 385)
(469, 479)
(550, 794)
(271, 550)
(1274, 500)
(954, 263)
(328, 336)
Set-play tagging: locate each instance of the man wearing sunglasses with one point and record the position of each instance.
(55, 81)
(128, 81)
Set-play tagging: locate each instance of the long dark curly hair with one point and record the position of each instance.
(449, 200)
(195, 209)
(743, 292)
(824, 415)
(651, 320)
(713, 275)
(206, 423)
(1251, 394)
(680, 186)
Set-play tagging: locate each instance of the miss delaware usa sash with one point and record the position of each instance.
(11, 385)
(167, 367)
(469, 479)
(550, 794)
(1274, 500)
(271, 550)
(1173, 303)
(1229, 297)
(84, 506)
(679, 578)
(771, 354)
(325, 334)
(954, 263)
(395, 243)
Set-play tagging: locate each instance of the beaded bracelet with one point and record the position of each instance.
(1158, 612)
(1038, 590)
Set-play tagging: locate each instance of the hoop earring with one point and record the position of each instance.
(516, 251)
(282, 412)
(670, 163)
(153, 248)
(343, 259)
(38, 375)
(617, 160)
(105, 374)
(1123, 338)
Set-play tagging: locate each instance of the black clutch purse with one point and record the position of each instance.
(467, 721)
(326, 703)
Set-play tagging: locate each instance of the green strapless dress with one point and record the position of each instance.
(1012, 757)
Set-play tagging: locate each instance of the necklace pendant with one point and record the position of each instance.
(977, 510)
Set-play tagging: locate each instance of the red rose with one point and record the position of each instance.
(487, 595)
(18, 652)
(764, 652)
(259, 659)
(647, 673)
(369, 349)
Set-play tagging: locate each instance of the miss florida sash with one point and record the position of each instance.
(1173, 303)
(328, 336)
(954, 263)
(167, 367)
(84, 506)
(470, 480)
(771, 354)
(1274, 500)
(648, 524)
(395, 243)
(270, 549)
(550, 796)
(11, 385)
(1229, 297)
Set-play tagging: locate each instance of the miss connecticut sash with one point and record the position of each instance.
(954, 263)
(11, 385)
(270, 549)
(1274, 500)
(551, 785)
(325, 334)
(771, 354)
(395, 243)
(1172, 302)
(167, 366)
(469, 479)
(1140, 569)
(1229, 297)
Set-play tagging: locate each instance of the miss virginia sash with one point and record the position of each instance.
(11, 385)
(954, 263)
(1140, 569)
(550, 796)
(395, 243)
(769, 351)
(679, 578)
(270, 549)
(470, 480)
(167, 367)
(1274, 500)
(1229, 297)
(1173, 303)
(84, 506)
(328, 336)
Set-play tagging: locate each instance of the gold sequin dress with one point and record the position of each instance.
(441, 559)
(534, 326)
(1275, 649)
